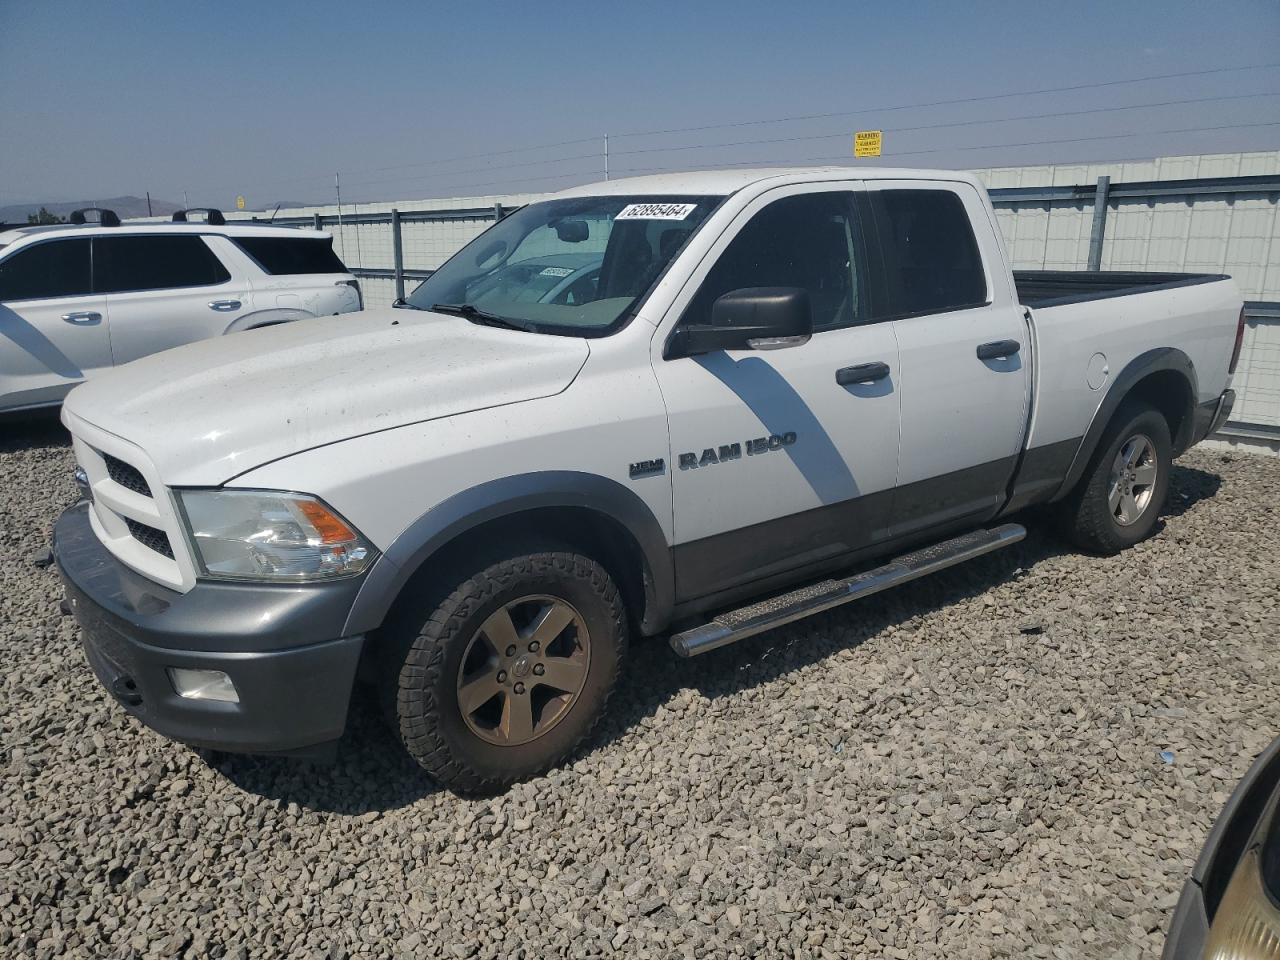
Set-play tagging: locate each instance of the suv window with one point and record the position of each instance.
(55, 268)
(930, 256)
(804, 241)
(280, 256)
(157, 262)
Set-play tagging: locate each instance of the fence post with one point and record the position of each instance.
(1099, 222)
(316, 219)
(497, 212)
(397, 249)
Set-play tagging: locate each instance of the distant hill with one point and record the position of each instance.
(124, 206)
(127, 207)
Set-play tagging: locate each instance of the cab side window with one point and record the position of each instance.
(55, 268)
(931, 259)
(122, 264)
(807, 241)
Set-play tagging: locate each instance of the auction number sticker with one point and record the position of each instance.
(555, 272)
(656, 211)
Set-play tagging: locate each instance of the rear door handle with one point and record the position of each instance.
(224, 306)
(862, 373)
(82, 319)
(998, 349)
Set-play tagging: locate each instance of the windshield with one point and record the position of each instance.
(575, 267)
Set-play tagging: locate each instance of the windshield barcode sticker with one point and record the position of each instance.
(555, 272)
(656, 211)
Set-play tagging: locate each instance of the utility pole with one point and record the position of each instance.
(606, 156)
(148, 203)
(337, 189)
(186, 204)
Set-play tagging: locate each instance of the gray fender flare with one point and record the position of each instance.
(1140, 367)
(506, 497)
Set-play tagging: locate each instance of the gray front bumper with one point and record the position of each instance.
(280, 645)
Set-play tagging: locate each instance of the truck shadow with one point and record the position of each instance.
(373, 774)
(659, 675)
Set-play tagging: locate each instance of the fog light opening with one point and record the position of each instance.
(203, 685)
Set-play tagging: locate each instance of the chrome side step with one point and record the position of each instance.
(816, 598)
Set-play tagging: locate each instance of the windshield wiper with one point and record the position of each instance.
(476, 315)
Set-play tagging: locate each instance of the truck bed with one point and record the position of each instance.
(1048, 288)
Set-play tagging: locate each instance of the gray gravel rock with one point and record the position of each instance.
(967, 767)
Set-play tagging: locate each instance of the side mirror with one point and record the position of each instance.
(752, 318)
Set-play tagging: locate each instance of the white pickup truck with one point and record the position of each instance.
(759, 394)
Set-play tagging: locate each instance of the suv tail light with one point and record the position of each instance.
(1235, 351)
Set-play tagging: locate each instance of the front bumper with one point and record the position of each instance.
(278, 644)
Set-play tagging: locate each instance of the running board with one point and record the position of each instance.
(816, 598)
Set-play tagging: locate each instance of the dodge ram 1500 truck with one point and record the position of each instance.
(759, 395)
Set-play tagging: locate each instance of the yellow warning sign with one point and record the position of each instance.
(240, 200)
(866, 143)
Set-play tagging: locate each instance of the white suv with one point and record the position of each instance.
(79, 298)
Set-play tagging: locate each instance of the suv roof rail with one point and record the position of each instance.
(106, 218)
(212, 215)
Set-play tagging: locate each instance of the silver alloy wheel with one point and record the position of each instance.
(523, 670)
(1133, 479)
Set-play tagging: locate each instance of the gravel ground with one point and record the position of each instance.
(969, 767)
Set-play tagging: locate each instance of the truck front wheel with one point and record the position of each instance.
(511, 672)
(1119, 498)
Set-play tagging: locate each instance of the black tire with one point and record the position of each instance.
(1087, 516)
(421, 683)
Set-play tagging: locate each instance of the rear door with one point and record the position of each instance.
(964, 347)
(298, 272)
(776, 464)
(53, 329)
(163, 290)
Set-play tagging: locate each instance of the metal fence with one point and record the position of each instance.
(1209, 224)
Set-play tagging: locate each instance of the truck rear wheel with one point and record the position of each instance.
(1119, 498)
(511, 672)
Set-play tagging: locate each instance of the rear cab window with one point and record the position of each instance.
(929, 258)
(291, 256)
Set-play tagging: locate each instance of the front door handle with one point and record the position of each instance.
(998, 349)
(862, 373)
(82, 319)
(224, 306)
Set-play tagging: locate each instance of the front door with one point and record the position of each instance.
(53, 329)
(783, 458)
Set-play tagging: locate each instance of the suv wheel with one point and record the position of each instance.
(511, 672)
(1119, 498)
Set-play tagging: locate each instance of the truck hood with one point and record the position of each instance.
(209, 411)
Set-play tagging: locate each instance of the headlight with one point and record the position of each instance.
(1247, 924)
(263, 535)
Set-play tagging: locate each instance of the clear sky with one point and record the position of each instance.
(269, 99)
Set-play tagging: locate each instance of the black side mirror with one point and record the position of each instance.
(752, 318)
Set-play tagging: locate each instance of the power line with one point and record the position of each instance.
(845, 158)
(952, 123)
(813, 116)
(840, 135)
(958, 100)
